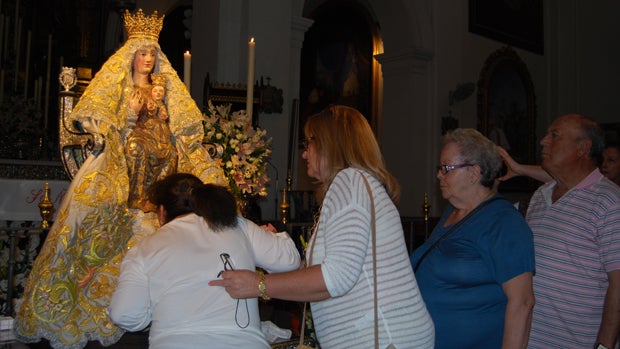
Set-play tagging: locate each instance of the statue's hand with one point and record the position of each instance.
(136, 101)
(99, 141)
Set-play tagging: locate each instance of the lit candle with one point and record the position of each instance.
(187, 69)
(251, 60)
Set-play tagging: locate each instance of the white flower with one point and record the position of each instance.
(246, 149)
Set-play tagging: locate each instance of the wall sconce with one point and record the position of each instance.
(459, 94)
(272, 100)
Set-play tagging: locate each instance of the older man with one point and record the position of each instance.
(575, 219)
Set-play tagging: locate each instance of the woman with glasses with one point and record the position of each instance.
(475, 271)
(164, 278)
(342, 154)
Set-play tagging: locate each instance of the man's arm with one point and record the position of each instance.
(610, 325)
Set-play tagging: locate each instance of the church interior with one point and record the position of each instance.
(414, 68)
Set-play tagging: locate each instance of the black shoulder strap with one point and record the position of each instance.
(454, 227)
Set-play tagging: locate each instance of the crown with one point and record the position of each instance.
(158, 80)
(141, 26)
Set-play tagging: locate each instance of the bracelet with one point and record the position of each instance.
(262, 287)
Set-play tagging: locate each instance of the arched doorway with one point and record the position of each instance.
(337, 60)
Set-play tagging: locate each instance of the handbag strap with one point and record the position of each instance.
(374, 259)
(454, 227)
(374, 266)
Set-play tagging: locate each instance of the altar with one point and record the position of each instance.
(21, 198)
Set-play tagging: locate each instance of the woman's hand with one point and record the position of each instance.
(516, 169)
(239, 283)
(269, 227)
(511, 164)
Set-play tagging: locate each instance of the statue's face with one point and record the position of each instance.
(158, 92)
(144, 59)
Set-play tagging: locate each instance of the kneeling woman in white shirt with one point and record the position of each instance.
(164, 278)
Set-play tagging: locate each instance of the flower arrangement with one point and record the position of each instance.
(245, 149)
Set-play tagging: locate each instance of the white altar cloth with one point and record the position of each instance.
(19, 198)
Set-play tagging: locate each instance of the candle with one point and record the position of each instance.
(187, 69)
(28, 43)
(249, 104)
(47, 82)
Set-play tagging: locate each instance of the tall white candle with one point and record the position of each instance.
(249, 104)
(187, 69)
(47, 82)
(28, 43)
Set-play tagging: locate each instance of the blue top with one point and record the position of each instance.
(461, 278)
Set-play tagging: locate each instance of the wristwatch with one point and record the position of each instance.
(599, 346)
(263, 288)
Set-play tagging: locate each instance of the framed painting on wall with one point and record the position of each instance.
(518, 23)
(507, 110)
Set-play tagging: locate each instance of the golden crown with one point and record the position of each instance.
(141, 26)
(158, 80)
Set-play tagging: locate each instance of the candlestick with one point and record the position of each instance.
(2, 86)
(46, 206)
(249, 104)
(7, 23)
(39, 91)
(187, 69)
(16, 17)
(293, 138)
(18, 46)
(47, 82)
(28, 43)
(1, 35)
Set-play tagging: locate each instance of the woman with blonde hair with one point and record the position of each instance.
(357, 196)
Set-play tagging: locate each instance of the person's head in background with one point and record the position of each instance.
(573, 146)
(183, 193)
(340, 137)
(469, 162)
(610, 167)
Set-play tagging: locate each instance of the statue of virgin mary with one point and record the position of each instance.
(73, 277)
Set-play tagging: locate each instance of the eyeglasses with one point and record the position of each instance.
(444, 169)
(228, 265)
(306, 142)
